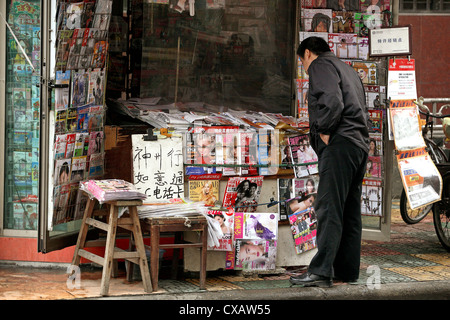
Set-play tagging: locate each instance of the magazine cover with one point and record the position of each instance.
(206, 191)
(248, 151)
(62, 171)
(96, 165)
(317, 20)
(80, 83)
(71, 201)
(302, 98)
(112, 189)
(374, 6)
(285, 192)
(70, 145)
(95, 142)
(256, 225)
(267, 156)
(231, 154)
(99, 55)
(371, 197)
(406, 128)
(421, 179)
(373, 96)
(59, 216)
(302, 153)
(78, 170)
(102, 14)
(363, 48)
(344, 45)
(340, 5)
(81, 144)
(255, 254)
(375, 144)
(62, 94)
(226, 221)
(314, 4)
(80, 206)
(200, 149)
(367, 71)
(343, 22)
(305, 186)
(373, 167)
(304, 229)
(96, 87)
(242, 193)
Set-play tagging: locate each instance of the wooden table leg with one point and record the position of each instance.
(154, 255)
(140, 248)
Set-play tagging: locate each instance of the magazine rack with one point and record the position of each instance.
(158, 225)
(130, 223)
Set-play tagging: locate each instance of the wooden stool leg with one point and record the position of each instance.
(83, 231)
(154, 256)
(109, 249)
(129, 264)
(140, 248)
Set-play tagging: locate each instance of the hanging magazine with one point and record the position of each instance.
(304, 229)
(421, 179)
(371, 197)
(225, 220)
(242, 193)
(406, 128)
(302, 154)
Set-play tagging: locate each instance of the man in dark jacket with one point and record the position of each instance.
(339, 134)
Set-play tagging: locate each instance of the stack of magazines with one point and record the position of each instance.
(111, 189)
(171, 209)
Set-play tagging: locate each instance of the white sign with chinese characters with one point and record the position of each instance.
(158, 168)
(394, 41)
(402, 79)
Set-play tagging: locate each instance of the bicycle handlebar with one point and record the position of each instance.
(438, 115)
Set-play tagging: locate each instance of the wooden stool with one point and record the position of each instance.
(130, 223)
(158, 225)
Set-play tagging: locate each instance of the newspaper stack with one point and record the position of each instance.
(171, 209)
(112, 189)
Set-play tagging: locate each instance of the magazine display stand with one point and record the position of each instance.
(112, 253)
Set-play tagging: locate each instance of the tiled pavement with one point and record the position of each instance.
(414, 254)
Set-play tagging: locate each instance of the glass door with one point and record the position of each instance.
(21, 116)
(74, 54)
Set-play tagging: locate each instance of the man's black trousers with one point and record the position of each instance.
(342, 165)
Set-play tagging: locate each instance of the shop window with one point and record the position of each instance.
(22, 115)
(236, 54)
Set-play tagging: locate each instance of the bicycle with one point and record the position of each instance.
(413, 216)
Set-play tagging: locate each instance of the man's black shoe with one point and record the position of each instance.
(311, 280)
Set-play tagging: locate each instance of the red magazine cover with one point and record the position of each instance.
(242, 193)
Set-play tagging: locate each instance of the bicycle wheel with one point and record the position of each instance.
(441, 215)
(412, 216)
(435, 152)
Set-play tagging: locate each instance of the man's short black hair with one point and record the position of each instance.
(316, 45)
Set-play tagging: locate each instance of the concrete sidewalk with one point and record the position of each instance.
(413, 265)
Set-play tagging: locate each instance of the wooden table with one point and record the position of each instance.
(177, 225)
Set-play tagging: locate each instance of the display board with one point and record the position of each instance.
(158, 168)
